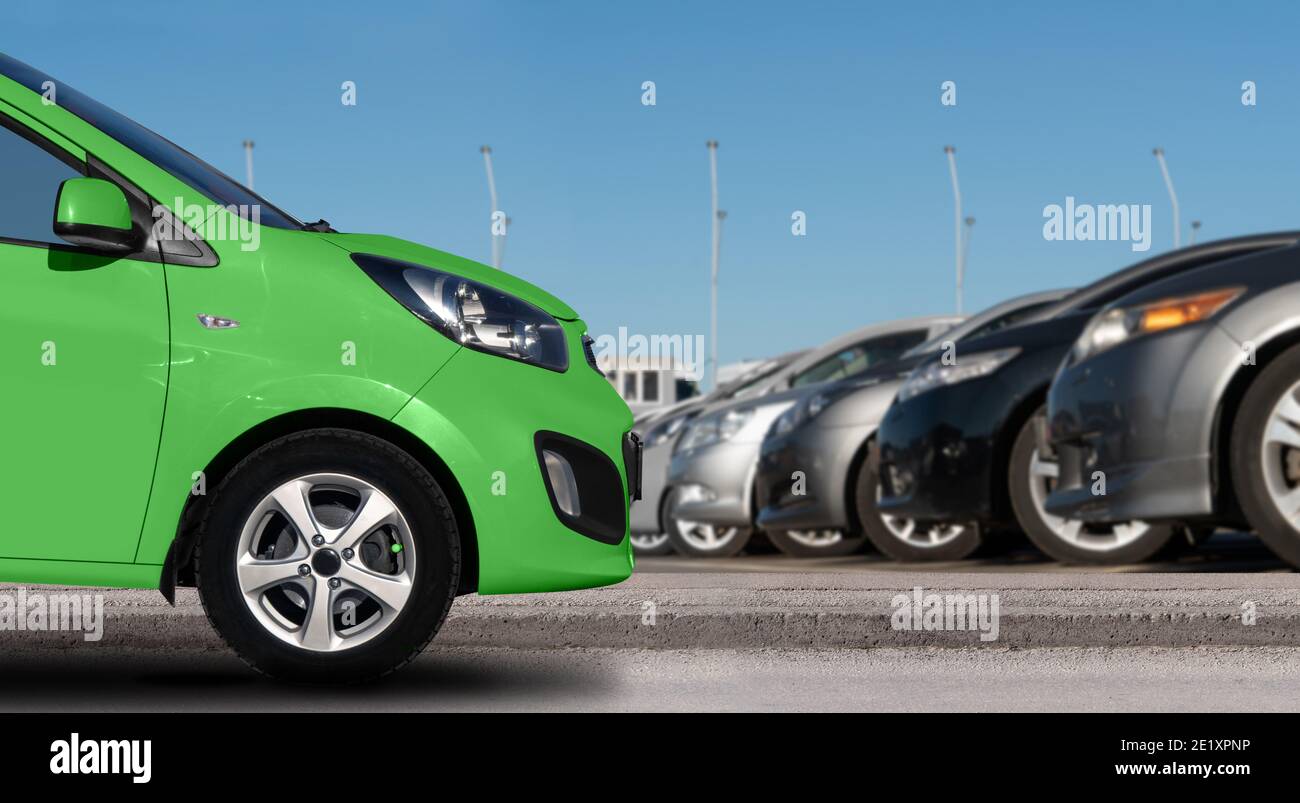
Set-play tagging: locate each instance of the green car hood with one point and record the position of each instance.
(395, 248)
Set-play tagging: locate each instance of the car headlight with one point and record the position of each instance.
(804, 411)
(474, 315)
(1111, 327)
(714, 429)
(938, 374)
(666, 430)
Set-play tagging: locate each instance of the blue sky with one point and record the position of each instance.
(828, 108)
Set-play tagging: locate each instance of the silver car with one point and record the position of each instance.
(660, 429)
(708, 505)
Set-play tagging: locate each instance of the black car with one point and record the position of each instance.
(814, 475)
(961, 441)
(1179, 402)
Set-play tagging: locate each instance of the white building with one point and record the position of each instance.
(648, 382)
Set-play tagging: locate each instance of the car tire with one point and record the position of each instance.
(700, 540)
(1029, 479)
(350, 616)
(1262, 473)
(649, 545)
(901, 539)
(817, 543)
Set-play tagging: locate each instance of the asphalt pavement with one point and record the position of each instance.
(798, 610)
(1215, 628)
(496, 679)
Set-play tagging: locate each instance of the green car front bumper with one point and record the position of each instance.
(482, 416)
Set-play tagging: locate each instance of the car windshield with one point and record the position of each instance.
(745, 386)
(976, 328)
(177, 161)
(1010, 319)
(860, 357)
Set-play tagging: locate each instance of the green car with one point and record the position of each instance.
(330, 435)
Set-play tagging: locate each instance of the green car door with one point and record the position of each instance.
(83, 370)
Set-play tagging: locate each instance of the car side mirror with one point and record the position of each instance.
(94, 213)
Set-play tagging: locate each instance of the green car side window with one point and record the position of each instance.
(31, 177)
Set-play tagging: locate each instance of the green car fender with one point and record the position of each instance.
(476, 429)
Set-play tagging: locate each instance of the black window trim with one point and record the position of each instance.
(26, 75)
(92, 167)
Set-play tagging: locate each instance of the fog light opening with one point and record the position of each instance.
(563, 483)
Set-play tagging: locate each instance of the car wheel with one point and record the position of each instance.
(328, 556)
(1032, 477)
(651, 544)
(816, 543)
(1265, 455)
(697, 539)
(904, 539)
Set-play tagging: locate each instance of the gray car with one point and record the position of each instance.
(660, 430)
(1181, 401)
(707, 508)
(812, 460)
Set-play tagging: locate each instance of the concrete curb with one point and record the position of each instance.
(794, 611)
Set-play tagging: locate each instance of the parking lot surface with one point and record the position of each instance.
(1223, 552)
(487, 679)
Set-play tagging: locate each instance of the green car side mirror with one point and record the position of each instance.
(94, 213)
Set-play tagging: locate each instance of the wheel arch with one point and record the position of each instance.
(178, 569)
(1225, 418)
(856, 464)
(1000, 488)
(661, 507)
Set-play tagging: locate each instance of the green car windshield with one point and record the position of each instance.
(162, 152)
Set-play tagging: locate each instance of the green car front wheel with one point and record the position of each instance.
(328, 555)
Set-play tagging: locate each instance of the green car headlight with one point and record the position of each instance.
(474, 315)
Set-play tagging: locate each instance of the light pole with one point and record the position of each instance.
(1169, 184)
(1196, 224)
(497, 245)
(956, 194)
(248, 161)
(716, 217)
(501, 254)
(965, 255)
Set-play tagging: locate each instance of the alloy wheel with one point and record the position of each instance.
(1281, 456)
(1096, 537)
(326, 562)
(816, 539)
(705, 537)
(648, 541)
(906, 530)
